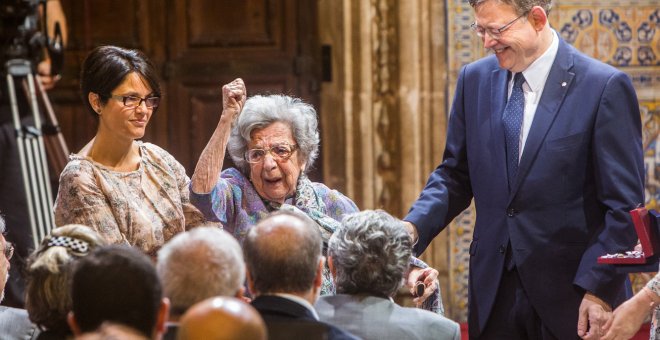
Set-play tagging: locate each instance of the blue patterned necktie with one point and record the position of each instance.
(512, 118)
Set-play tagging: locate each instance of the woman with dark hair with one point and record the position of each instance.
(129, 191)
(49, 272)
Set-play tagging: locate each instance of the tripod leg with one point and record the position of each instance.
(43, 177)
(32, 153)
(57, 152)
(33, 181)
(20, 143)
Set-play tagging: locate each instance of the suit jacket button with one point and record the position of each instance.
(511, 212)
(501, 249)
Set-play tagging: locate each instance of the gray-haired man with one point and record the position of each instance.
(368, 258)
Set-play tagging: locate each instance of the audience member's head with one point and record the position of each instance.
(200, 264)
(49, 271)
(113, 331)
(7, 252)
(222, 318)
(369, 254)
(283, 255)
(117, 284)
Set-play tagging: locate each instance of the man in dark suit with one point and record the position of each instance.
(548, 143)
(14, 322)
(284, 273)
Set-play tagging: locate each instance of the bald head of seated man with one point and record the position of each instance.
(221, 318)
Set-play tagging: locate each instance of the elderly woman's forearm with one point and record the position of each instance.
(210, 162)
(212, 159)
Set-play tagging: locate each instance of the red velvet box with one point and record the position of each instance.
(645, 223)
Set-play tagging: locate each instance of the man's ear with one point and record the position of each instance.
(163, 316)
(538, 17)
(333, 270)
(250, 282)
(318, 279)
(73, 324)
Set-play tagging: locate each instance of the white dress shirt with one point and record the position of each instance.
(536, 76)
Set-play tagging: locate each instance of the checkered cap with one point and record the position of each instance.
(73, 244)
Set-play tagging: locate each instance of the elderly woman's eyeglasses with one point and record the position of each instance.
(134, 101)
(9, 250)
(280, 152)
(494, 33)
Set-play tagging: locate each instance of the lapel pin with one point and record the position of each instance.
(563, 84)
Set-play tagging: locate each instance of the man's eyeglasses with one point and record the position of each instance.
(494, 33)
(9, 250)
(133, 101)
(280, 152)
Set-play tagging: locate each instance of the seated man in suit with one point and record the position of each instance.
(14, 322)
(222, 318)
(196, 265)
(284, 272)
(368, 259)
(117, 284)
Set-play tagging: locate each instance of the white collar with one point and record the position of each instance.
(537, 73)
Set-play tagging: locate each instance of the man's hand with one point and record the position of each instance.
(593, 314)
(48, 80)
(428, 276)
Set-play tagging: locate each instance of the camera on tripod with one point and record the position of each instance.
(22, 36)
(25, 42)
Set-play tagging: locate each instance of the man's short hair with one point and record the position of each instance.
(370, 253)
(521, 6)
(199, 264)
(282, 253)
(117, 284)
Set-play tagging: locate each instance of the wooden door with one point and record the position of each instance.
(198, 45)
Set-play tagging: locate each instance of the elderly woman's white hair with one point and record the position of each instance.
(261, 111)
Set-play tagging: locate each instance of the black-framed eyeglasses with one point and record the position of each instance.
(494, 33)
(280, 152)
(134, 101)
(9, 250)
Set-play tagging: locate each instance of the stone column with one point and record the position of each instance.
(383, 113)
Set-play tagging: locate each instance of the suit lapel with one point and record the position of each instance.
(556, 88)
(498, 98)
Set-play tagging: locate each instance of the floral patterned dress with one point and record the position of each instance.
(236, 204)
(654, 286)
(144, 208)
